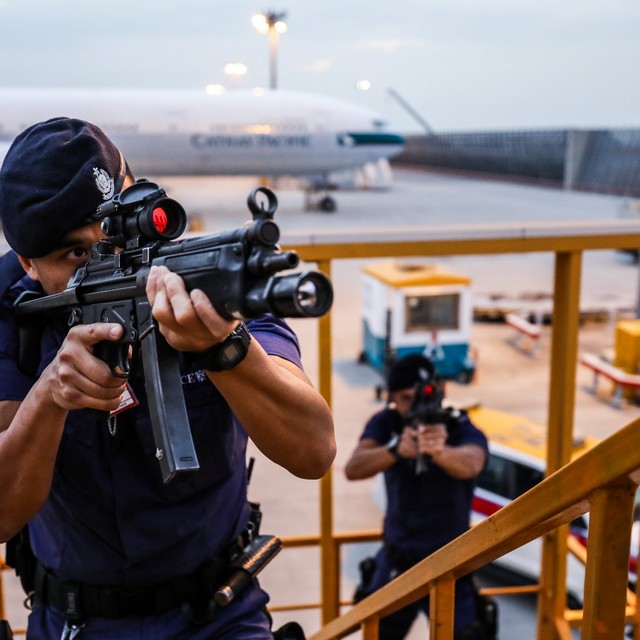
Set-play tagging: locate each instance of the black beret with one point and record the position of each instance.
(53, 178)
(408, 371)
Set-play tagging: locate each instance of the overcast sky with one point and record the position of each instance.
(461, 64)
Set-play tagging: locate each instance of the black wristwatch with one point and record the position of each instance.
(392, 446)
(226, 354)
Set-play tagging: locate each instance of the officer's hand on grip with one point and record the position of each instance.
(77, 378)
(431, 439)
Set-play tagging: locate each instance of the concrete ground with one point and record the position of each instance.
(508, 377)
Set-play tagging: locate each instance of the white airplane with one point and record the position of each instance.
(239, 132)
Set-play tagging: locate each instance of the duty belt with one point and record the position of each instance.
(81, 601)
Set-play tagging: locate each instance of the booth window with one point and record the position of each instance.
(432, 312)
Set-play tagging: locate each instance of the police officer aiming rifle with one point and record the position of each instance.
(119, 551)
(428, 509)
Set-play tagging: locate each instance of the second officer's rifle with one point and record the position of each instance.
(236, 270)
(427, 409)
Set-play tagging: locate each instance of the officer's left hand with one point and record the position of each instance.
(188, 321)
(431, 439)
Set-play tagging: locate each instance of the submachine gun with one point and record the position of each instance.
(427, 408)
(236, 269)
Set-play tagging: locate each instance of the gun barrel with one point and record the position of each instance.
(272, 263)
(299, 295)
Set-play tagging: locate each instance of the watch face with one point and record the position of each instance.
(227, 354)
(231, 352)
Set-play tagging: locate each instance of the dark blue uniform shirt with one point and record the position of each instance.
(109, 519)
(426, 511)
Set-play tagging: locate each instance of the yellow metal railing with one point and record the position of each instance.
(547, 506)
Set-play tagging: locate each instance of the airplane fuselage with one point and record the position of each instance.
(193, 133)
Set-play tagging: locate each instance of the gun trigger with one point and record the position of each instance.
(115, 355)
(122, 368)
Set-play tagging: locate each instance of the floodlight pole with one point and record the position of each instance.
(272, 24)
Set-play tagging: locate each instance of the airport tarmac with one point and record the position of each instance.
(508, 377)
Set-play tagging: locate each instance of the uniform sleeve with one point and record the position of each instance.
(14, 385)
(277, 338)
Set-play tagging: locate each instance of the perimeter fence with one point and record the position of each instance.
(604, 161)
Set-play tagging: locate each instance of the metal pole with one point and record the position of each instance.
(562, 388)
(329, 558)
(410, 110)
(273, 56)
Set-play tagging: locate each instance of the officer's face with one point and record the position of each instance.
(403, 399)
(54, 270)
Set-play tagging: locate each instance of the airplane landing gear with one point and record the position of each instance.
(322, 202)
(327, 204)
(317, 195)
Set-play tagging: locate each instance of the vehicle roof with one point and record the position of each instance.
(520, 433)
(399, 274)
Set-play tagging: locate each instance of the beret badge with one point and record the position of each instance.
(104, 182)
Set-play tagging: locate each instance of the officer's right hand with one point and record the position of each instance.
(408, 445)
(432, 439)
(76, 378)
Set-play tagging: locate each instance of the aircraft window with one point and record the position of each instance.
(293, 127)
(432, 312)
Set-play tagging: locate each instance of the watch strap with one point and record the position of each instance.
(392, 446)
(226, 354)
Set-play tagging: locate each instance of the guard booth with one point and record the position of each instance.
(417, 308)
